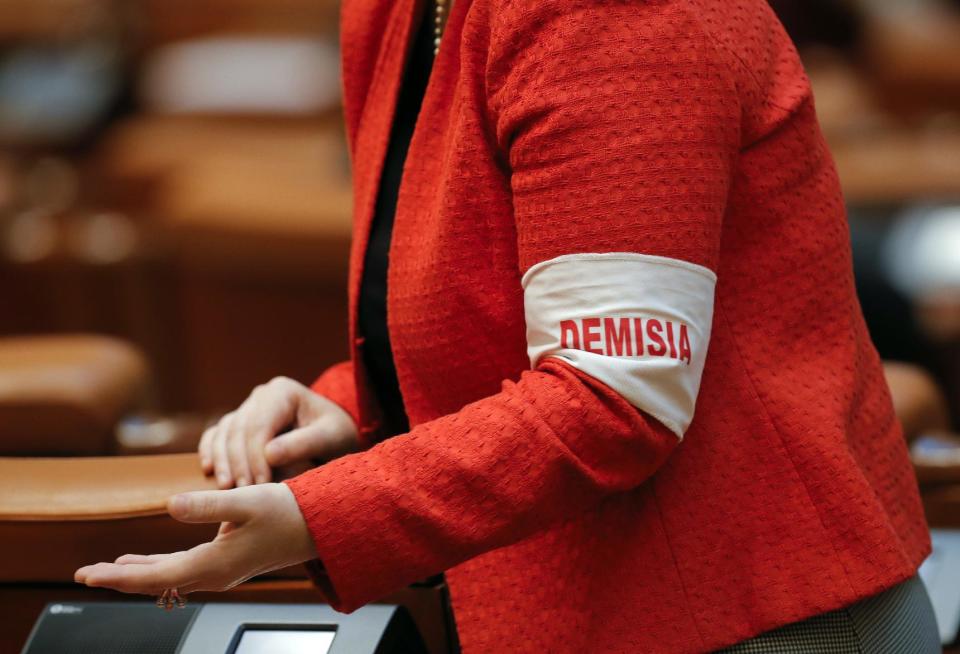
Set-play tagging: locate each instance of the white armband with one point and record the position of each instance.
(638, 323)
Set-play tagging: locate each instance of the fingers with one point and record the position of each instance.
(257, 460)
(297, 445)
(221, 458)
(206, 449)
(237, 456)
(272, 410)
(154, 573)
(262, 529)
(146, 578)
(266, 425)
(235, 505)
(233, 449)
(142, 558)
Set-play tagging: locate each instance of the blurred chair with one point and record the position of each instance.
(913, 52)
(935, 449)
(918, 401)
(64, 395)
(84, 395)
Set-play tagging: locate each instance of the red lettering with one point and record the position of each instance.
(685, 353)
(618, 341)
(663, 337)
(654, 331)
(673, 347)
(569, 327)
(591, 337)
(638, 335)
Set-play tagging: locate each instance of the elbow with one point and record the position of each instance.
(612, 444)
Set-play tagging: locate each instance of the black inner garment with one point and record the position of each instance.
(377, 352)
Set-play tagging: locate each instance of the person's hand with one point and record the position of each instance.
(246, 443)
(262, 530)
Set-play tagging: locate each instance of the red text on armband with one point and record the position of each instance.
(627, 337)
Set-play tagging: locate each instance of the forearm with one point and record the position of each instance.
(542, 450)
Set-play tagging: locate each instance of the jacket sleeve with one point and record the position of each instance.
(619, 123)
(338, 385)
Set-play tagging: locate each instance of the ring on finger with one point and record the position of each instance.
(169, 598)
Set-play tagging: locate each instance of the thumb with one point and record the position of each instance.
(297, 445)
(211, 506)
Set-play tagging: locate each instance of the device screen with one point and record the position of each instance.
(284, 641)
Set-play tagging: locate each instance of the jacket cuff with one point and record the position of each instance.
(337, 518)
(338, 385)
(318, 575)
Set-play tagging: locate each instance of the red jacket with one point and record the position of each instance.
(552, 470)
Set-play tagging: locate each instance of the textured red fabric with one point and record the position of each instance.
(338, 385)
(567, 520)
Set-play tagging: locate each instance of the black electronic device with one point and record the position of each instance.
(221, 628)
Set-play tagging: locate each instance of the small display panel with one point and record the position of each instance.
(284, 641)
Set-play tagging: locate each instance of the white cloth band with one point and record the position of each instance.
(638, 323)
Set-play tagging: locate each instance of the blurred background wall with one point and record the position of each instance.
(174, 173)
